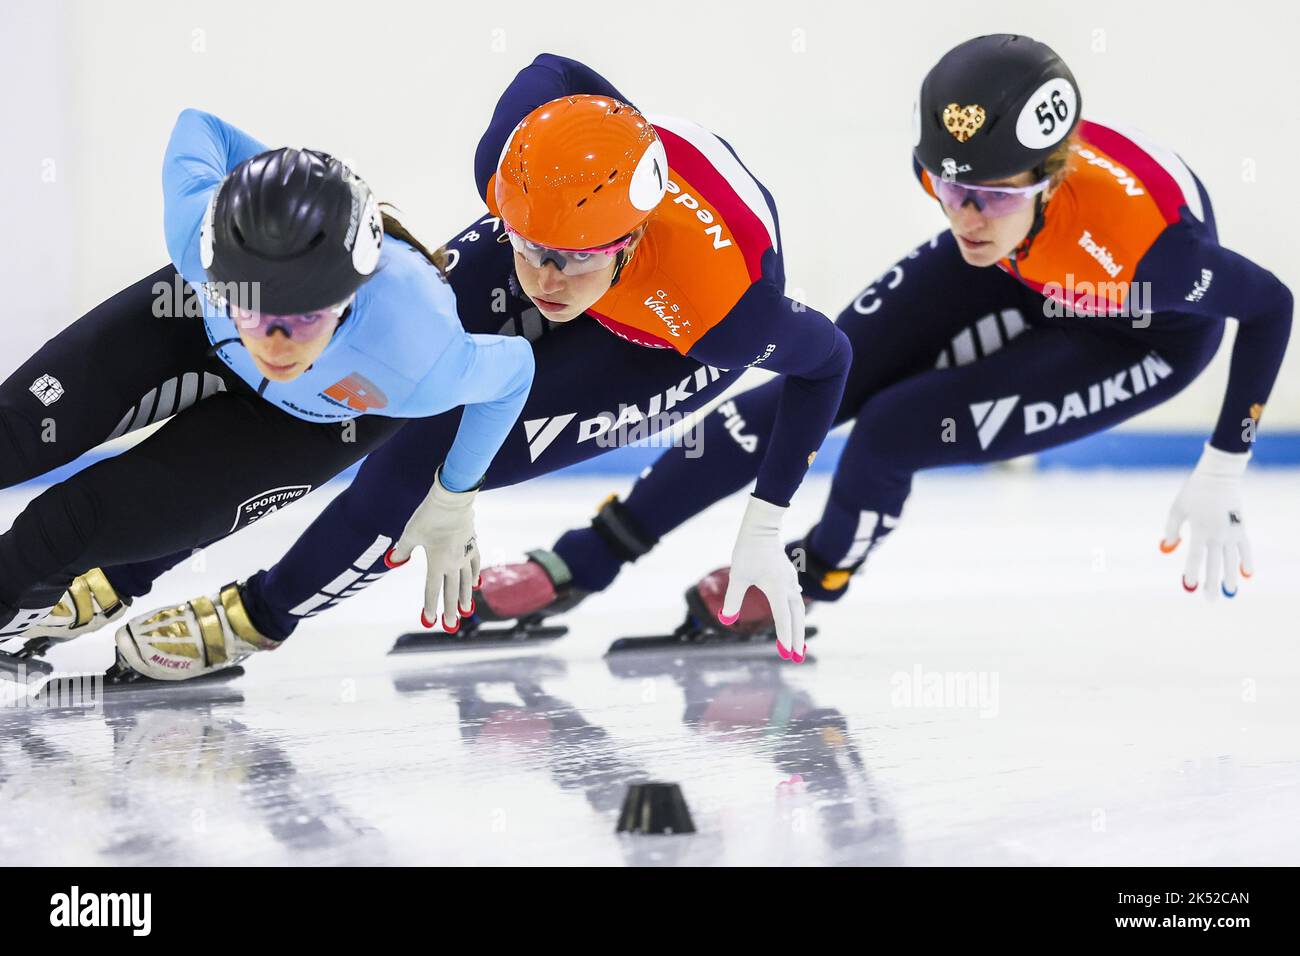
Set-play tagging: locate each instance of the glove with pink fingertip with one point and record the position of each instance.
(759, 560)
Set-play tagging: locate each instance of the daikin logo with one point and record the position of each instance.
(77, 909)
(991, 416)
(542, 432)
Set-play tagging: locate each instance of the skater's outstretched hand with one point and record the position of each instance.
(1210, 503)
(444, 526)
(759, 560)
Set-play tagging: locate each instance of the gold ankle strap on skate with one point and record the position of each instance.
(233, 604)
(85, 590)
(214, 639)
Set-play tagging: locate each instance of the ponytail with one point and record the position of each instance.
(438, 258)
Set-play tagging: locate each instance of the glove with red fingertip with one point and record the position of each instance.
(443, 525)
(1210, 504)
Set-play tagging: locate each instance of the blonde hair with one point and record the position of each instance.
(1057, 164)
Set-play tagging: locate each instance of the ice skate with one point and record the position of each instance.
(197, 639)
(526, 592)
(702, 627)
(88, 604)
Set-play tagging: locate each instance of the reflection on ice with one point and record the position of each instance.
(1017, 678)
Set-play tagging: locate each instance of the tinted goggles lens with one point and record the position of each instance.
(993, 201)
(571, 262)
(301, 328)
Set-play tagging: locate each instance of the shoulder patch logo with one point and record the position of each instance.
(47, 389)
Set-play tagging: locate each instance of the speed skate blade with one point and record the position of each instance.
(478, 637)
(13, 667)
(19, 663)
(119, 680)
(691, 637)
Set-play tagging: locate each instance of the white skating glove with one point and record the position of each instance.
(1210, 503)
(759, 560)
(444, 526)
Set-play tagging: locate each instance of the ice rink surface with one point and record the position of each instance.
(1017, 678)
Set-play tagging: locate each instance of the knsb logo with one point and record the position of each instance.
(767, 353)
(542, 432)
(1201, 287)
(76, 909)
(261, 505)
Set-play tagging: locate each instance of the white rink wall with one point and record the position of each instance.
(815, 97)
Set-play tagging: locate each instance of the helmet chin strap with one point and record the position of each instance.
(624, 257)
(1040, 207)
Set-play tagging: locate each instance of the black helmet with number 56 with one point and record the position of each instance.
(291, 231)
(993, 107)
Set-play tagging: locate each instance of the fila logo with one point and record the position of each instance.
(991, 416)
(542, 432)
(734, 422)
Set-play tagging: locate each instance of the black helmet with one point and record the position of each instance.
(993, 107)
(291, 231)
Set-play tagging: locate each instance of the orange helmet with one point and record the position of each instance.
(579, 172)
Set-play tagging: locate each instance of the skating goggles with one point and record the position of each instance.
(304, 327)
(993, 201)
(571, 262)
